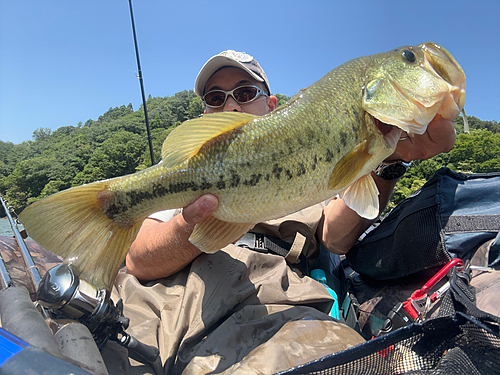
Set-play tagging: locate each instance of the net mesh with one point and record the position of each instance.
(448, 345)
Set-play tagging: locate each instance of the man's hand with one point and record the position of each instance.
(439, 137)
(163, 248)
(199, 209)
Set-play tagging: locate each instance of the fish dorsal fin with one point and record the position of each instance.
(349, 166)
(186, 140)
(212, 234)
(362, 197)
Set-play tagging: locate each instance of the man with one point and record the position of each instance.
(241, 310)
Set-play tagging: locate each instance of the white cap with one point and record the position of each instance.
(230, 58)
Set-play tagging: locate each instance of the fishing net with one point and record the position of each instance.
(451, 345)
(462, 340)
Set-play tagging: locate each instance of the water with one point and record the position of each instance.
(5, 229)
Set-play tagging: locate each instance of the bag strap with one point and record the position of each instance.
(472, 223)
(264, 243)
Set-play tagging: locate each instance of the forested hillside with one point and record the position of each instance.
(116, 144)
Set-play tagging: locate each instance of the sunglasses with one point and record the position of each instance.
(242, 95)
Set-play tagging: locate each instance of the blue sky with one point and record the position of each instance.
(62, 62)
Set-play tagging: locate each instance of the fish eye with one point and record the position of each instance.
(409, 55)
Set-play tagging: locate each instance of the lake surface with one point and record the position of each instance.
(5, 229)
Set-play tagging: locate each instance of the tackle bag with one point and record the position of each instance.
(449, 217)
(461, 340)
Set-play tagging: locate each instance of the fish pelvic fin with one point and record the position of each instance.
(212, 234)
(362, 197)
(73, 225)
(350, 165)
(188, 139)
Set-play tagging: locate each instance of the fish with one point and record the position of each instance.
(324, 142)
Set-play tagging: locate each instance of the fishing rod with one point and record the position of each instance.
(139, 75)
(26, 255)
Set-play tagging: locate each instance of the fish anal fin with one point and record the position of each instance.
(212, 234)
(362, 197)
(349, 166)
(73, 225)
(187, 139)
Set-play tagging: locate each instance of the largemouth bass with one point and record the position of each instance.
(324, 142)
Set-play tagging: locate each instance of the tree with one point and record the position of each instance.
(41, 134)
(195, 108)
(27, 180)
(5, 149)
(282, 99)
(115, 113)
(475, 123)
(478, 151)
(117, 156)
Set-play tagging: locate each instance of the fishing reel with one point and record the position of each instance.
(66, 296)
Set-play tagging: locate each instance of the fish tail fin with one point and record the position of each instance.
(73, 225)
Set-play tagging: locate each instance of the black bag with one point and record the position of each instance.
(462, 340)
(450, 216)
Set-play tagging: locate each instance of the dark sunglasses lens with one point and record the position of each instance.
(215, 98)
(245, 94)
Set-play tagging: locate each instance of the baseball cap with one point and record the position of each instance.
(230, 58)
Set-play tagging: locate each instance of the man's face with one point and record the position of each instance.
(229, 78)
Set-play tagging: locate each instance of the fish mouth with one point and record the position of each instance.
(391, 133)
(443, 64)
(382, 126)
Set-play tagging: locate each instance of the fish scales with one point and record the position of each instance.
(286, 150)
(252, 164)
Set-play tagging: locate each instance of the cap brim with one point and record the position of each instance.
(214, 64)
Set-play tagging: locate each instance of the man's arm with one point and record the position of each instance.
(163, 248)
(341, 227)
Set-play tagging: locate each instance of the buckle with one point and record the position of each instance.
(253, 241)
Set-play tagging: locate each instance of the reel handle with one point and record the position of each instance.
(147, 352)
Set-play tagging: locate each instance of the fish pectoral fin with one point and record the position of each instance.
(212, 234)
(188, 138)
(362, 197)
(349, 166)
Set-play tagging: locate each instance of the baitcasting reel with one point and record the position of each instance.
(66, 296)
